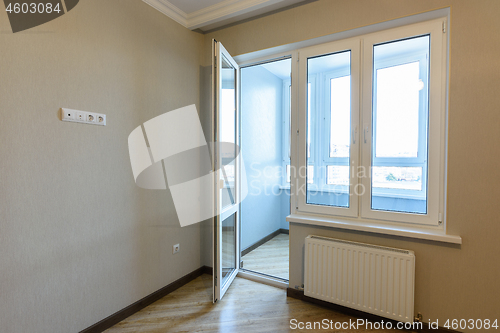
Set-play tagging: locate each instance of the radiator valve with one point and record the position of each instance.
(418, 318)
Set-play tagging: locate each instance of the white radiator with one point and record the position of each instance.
(370, 278)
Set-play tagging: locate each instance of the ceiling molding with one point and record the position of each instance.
(219, 12)
(224, 10)
(170, 10)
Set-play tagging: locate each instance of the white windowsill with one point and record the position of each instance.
(385, 229)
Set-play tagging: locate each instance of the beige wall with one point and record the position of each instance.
(451, 281)
(78, 240)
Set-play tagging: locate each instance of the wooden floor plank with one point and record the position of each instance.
(270, 258)
(247, 307)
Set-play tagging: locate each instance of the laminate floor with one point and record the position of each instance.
(247, 307)
(270, 258)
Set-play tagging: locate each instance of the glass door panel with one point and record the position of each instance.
(228, 131)
(228, 248)
(225, 154)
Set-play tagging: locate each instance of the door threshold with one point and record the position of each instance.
(263, 278)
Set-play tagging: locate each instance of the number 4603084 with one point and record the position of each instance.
(32, 8)
(472, 324)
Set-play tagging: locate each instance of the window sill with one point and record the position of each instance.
(384, 229)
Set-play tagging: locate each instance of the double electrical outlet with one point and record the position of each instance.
(83, 117)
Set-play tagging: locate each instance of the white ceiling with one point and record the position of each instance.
(191, 6)
(211, 14)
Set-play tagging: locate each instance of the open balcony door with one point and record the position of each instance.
(226, 131)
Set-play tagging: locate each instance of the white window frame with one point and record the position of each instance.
(286, 131)
(361, 48)
(436, 123)
(352, 45)
(371, 226)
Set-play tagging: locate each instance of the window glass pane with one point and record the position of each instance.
(337, 175)
(400, 116)
(397, 107)
(228, 132)
(340, 116)
(328, 97)
(310, 174)
(398, 178)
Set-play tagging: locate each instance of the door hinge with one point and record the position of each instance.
(241, 264)
(444, 26)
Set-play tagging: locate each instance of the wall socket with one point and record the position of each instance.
(83, 117)
(176, 248)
